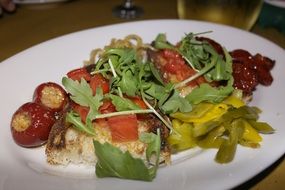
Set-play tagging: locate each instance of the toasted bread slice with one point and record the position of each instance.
(69, 145)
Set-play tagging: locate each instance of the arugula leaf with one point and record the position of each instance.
(128, 83)
(156, 73)
(165, 94)
(160, 42)
(222, 69)
(176, 103)
(123, 104)
(123, 64)
(193, 52)
(126, 55)
(73, 118)
(153, 142)
(156, 91)
(205, 92)
(200, 73)
(201, 54)
(153, 149)
(112, 162)
(81, 93)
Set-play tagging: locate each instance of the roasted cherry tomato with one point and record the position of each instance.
(31, 124)
(99, 81)
(51, 96)
(124, 128)
(79, 73)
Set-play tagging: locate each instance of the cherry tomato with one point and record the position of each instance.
(31, 124)
(99, 81)
(79, 73)
(51, 96)
(124, 128)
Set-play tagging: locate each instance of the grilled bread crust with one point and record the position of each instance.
(68, 145)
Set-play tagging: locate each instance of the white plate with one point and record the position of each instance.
(19, 75)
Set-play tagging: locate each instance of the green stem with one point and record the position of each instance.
(123, 113)
(99, 71)
(200, 73)
(115, 75)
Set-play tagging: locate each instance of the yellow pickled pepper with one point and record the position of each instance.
(183, 138)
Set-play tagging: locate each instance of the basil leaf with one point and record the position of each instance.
(112, 162)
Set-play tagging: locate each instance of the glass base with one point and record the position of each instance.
(127, 12)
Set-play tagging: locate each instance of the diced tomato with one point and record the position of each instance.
(102, 122)
(79, 73)
(99, 81)
(107, 107)
(175, 62)
(81, 110)
(138, 101)
(177, 67)
(124, 128)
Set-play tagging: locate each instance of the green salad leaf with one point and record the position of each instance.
(128, 82)
(73, 118)
(161, 42)
(176, 103)
(123, 104)
(112, 162)
(153, 150)
(82, 94)
(205, 92)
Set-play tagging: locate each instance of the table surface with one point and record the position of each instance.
(33, 24)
